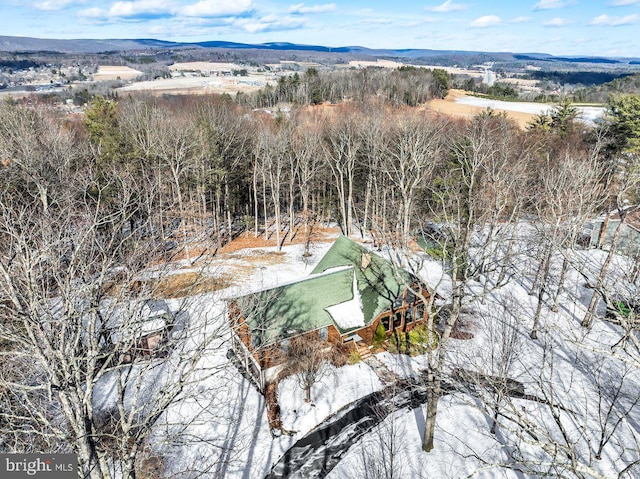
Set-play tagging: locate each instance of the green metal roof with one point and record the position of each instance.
(295, 308)
(379, 283)
(298, 307)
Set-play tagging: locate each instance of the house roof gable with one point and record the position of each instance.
(308, 304)
(379, 281)
(295, 308)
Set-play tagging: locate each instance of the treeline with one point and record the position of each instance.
(627, 85)
(578, 87)
(209, 164)
(18, 64)
(499, 90)
(403, 86)
(584, 78)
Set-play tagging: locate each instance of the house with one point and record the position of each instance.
(346, 297)
(140, 330)
(601, 230)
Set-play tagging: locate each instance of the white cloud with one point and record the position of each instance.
(486, 21)
(270, 23)
(615, 21)
(623, 3)
(140, 7)
(549, 4)
(154, 8)
(94, 13)
(446, 7)
(521, 20)
(301, 8)
(217, 8)
(557, 22)
(53, 5)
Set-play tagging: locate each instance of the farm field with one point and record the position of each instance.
(203, 66)
(115, 72)
(458, 103)
(198, 85)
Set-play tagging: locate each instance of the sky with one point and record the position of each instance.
(559, 27)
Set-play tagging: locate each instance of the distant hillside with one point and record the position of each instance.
(551, 58)
(27, 44)
(627, 85)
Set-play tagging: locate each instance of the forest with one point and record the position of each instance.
(91, 203)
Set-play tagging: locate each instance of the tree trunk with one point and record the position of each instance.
(563, 277)
(183, 213)
(227, 206)
(255, 201)
(367, 200)
(546, 264)
(291, 212)
(432, 410)
(264, 205)
(595, 299)
(307, 393)
(603, 231)
(536, 280)
(350, 205)
(496, 413)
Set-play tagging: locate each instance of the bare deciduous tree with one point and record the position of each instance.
(72, 302)
(307, 360)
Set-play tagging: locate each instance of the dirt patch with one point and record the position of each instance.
(252, 260)
(248, 239)
(180, 285)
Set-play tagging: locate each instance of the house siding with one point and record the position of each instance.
(272, 356)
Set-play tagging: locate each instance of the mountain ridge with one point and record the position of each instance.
(13, 44)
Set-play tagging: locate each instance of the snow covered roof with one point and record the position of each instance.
(137, 319)
(348, 315)
(379, 281)
(349, 288)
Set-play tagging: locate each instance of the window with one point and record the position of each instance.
(397, 304)
(284, 345)
(397, 320)
(411, 298)
(385, 322)
(420, 311)
(409, 315)
(323, 333)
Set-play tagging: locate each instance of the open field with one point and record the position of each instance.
(198, 85)
(204, 67)
(115, 72)
(450, 106)
(459, 104)
(521, 83)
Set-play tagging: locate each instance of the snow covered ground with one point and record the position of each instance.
(588, 114)
(220, 428)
